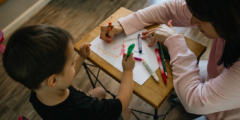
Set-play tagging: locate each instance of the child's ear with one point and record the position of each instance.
(52, 81)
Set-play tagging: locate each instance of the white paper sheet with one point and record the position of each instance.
(112, 53)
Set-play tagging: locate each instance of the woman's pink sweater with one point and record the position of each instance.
(219, 97)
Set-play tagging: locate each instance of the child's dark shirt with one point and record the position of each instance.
(78, 106)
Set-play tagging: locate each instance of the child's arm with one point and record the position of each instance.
(83, 54)
(78, 63)
(126, 88)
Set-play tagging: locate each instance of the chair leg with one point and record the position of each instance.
(86, 68)
(96, 77)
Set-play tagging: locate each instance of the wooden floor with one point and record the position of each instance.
(79, 17)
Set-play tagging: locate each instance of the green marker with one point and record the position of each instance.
(130, 49)
(162, 57)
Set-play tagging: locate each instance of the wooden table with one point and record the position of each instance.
(151, 92)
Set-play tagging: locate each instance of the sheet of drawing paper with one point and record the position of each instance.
(113, 53)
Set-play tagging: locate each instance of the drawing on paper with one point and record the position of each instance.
(105, 52)
(113, 53)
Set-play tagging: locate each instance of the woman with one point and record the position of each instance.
(219, 97)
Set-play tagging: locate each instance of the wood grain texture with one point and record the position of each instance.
(80, 17)
(151, 92)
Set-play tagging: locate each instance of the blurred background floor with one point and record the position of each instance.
(79, 17)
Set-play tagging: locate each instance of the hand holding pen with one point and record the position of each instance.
(128, 64)
(109, 35)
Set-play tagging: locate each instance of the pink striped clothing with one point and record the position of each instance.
(219, 97)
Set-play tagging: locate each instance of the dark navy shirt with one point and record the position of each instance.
(79, 106)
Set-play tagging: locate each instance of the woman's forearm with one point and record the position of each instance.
(175, 10)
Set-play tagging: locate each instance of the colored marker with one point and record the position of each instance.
(130, 49)
(137, 58)
(150, 70)
(162, 57)
(109, 28)
(138, 52)
(139, 43)
(161, 66)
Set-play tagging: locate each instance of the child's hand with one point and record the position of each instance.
(85, 50)
(129, 64)
(117, 28)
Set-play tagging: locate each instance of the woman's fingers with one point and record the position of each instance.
(104, 36)
(152, 41)
(109, 35)
(104, 31)
(113, 32)
(146, 32)
(149, 33)
(169, 24)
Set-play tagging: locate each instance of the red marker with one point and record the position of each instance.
(109, 28)
(161, 66)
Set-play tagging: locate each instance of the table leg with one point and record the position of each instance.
(94, 85)
(156, 115)
(86, 68)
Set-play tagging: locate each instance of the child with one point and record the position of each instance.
(41, 57)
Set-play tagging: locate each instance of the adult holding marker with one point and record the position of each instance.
(109, 28)
(218, 97)
(107, 34)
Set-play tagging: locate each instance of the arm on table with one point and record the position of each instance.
(218, 94)
(175, 10)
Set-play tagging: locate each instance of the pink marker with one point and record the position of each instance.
(161, 66)
(136, 58)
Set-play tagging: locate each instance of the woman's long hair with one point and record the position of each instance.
(224, 15)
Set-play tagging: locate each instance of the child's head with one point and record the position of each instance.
(39, 53)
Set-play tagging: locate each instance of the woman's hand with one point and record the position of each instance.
(117, 28)
(84, 50)
(161, 33)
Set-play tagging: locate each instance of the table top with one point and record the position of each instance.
(151, 92)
